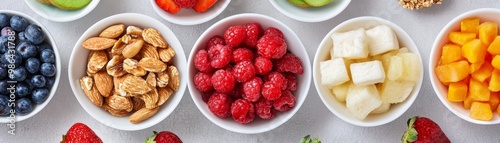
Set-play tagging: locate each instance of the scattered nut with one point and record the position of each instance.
(113, 31)
(162, 79)
(104, 83)
(98, 43)
(133, 48)
(149, 51)
(153, 37)
(133, 30)
(166, 54)
(142, 114)
(418, 4)
(134, 85)
(130, 66)
(174, 80)
(96, 61)
(152, 65)
(87, 85)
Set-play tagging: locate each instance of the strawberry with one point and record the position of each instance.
(423, 130)
(80, 133)
(203, 5)
(307, 139)
(168, 5)
(163, 137)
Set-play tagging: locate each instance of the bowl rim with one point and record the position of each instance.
(167, 16)
(58, 65)
(312, 20)
(280, 121)
(166, 110)
(84, 11)
(433, 63)
(405, 105)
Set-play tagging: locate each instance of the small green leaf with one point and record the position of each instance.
(306, 139)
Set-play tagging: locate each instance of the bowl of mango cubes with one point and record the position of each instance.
(367, 71)
(464, 66)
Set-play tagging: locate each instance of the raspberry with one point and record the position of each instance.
(285, 102)
(234, 35)
(220, 104)
(292, 81)
(206, 95)
(242, 54)
(277, 78)
(202, 61)
(289, 63)
(271, 90)
(223, 81)
(274, 31)
(243, 111)
(237, 92)
(253, 33)
(203, 82)
(185, 3)
(271, 46)
(263, 65)
(252, 89)
(214, 41)
(264, 109)
(244, 71)
(220, 55)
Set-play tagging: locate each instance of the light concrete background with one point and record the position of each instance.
(313, 117)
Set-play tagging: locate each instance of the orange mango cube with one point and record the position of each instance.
(483, 73)
(487, 32)
(474, 51)
(475, 66)
(494, 47)
(478, 91)
(481, 111)
(452, 72)
(468, 102)
(451, 53)
(495, 81)
(457, 91)
(460, 38)
(469, 25)
(494, 100)
(496, 62)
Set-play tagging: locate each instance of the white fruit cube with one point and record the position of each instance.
(340, 91)
(382, 108)
(404, 50)
(367, 73)
(385, 58)
(361, 100)
(381, 39)
(351, 44)
(333, 72)
(395, 91)
(411, 64)
(395, 69)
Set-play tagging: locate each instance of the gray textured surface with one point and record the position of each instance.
(313, 118)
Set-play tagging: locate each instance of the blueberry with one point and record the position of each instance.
(22, 89)
(43, 46)
(50, 82)
(12, 59)
(18, 23)
(4, 44)
(4, 20)
(4, 105)
(20, 37)
(38, 81)
(32, 65)
(23, 106)
(19, 74)
(39, 95)
(48, 69)
(28, 84)
(3, 87)
(34, 34)
(3, 72)
(26, 49)
(5, 31)
(47, 56)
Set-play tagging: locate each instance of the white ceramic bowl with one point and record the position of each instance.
(59, 15)
(311, 14)
(78, 62)
(189, 16)
(50, 40)
(485, 14)
(294, 46)
(339, 108)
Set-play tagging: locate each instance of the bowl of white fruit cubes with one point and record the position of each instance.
(367, 71)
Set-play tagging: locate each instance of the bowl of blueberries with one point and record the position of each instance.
(30, 66)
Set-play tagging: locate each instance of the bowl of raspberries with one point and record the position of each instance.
(249, 73)
(30, 67)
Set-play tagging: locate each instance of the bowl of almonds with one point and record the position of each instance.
(127, 71)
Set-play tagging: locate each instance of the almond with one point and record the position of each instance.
(149, 51)
(142, 114)
(134, 85)
(113, 31)
(87, 85)
(151, 79)
(130, 66)
(115, 66)
(153, 37)
(115, 112)
(152, 64)
(162, 79)
(150, 99)
(133, 30)
(104, 83)
(174, 80)
(138, 103)
(163, 94)
(120, 102)
(118, 47)
(98, 43)
(133, 48)
(166, 54)
(97, 60)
